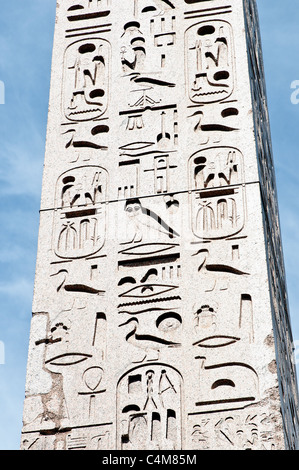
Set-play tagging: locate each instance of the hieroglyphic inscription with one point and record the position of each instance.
(218, 205)
(210, 66)
(150, 329)
(246, 430)
(80, 221)
(149, 402)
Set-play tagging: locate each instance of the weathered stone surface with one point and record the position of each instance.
(160, 317)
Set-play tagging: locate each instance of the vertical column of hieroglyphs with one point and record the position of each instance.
(235, 393)
(149, 395)
(152, 324)
(106, 304)
(227, 380)
(64, 408)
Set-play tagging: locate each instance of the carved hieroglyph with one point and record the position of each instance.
(218, 203)
(149, 409)
(210, 61)
(80, 219)
(160, 315)
(86, 79)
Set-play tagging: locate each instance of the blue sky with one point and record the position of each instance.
(26, 35)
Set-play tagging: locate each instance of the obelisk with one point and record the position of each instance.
(160, 313)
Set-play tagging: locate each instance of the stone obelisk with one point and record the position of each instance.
(160, 313)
